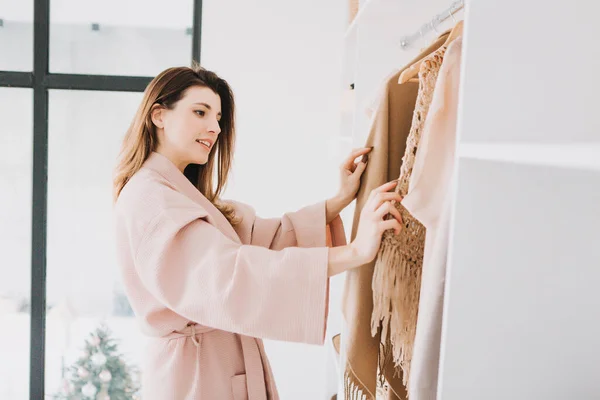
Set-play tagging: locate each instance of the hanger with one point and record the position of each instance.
(455, 33)
(411, 72)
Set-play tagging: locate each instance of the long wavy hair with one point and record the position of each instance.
(141, 138)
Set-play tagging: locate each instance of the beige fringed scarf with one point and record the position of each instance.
(365, 360)
(397, 274)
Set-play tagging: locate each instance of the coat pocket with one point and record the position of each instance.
(239, 387)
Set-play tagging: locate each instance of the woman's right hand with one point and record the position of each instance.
(372, 224)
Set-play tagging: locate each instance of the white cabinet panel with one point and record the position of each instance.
(531, 72)
(524, 284)
(581, 156)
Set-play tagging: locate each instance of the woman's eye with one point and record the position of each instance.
(200, 113)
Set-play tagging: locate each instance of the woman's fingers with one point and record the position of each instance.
(349, 163)
(386, 187)
(380, 198)
(360, 168)
(388, 208)
(391, 224)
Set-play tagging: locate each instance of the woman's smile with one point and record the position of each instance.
(205, 143)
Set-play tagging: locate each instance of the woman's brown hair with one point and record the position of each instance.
(141, 139)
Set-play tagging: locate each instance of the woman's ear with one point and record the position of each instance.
(156, 114)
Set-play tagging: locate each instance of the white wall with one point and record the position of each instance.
(282, 60)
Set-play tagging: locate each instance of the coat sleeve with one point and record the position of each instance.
(303, 228)
(194, 269)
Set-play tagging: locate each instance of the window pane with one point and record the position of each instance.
(16, 35)
(15, 240)
(84, 286)
(128, 37)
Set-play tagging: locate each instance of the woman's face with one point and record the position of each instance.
(188, 132)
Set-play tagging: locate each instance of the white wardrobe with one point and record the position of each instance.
(522, 301)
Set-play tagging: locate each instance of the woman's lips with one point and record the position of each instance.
(205, 143)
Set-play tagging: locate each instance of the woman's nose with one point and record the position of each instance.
(216, 127)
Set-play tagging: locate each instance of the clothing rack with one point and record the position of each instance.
(407, 41)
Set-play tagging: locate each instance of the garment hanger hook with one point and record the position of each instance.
(434, 23)
(452, 15)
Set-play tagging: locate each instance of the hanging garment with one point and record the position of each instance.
(397, 274)
(206, 291)
(429, 200)
(360, 351)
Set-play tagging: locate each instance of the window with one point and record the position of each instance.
(131, 37)
(16, 35)
(62, 127)
(15, 240)
(84, 291)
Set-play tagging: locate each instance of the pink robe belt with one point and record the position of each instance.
(255, 375)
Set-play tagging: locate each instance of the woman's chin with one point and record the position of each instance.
(201, 160)
(198, 157)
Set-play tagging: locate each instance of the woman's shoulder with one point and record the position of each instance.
(142, 183)
(148, 199)
(147, 191)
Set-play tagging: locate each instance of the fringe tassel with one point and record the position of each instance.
(384, 358)
(353, 390)
(396, 289)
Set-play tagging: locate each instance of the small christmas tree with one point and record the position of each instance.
(100, 373)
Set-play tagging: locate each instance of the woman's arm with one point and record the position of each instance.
(333, 207)
(343, 258)
(307, 227)
(192, 268)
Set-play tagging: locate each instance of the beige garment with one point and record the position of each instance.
(359, 355)
(429, 200)
(397, 275)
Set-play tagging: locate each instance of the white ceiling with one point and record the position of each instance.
(175, 14)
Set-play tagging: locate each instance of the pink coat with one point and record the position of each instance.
(207, 293)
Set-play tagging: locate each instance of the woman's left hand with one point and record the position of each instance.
(350, 173)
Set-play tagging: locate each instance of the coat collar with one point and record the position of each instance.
(169, 171)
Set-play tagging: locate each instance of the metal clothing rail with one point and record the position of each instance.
(407, 41)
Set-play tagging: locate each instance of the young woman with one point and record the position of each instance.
(206, 278)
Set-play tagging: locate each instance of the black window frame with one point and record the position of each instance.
(41, 81)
